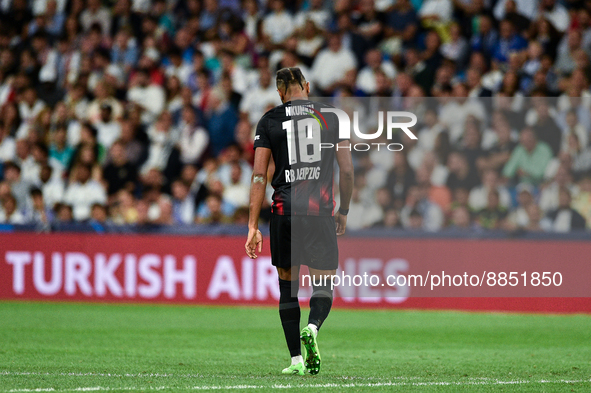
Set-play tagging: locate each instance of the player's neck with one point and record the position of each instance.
(296, 97)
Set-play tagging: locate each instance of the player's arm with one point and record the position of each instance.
(258, 185)
(345, 185)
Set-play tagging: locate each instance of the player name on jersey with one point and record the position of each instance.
(298, 110)
(307, 173)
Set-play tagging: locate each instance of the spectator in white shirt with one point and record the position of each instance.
(439, 11)
(7, 144)
(108, 129)
(30, 106)
(316, 13)
(366, 79)
(95, 13)
(478, 198)
(278, 25)
(256, 100)
(84, 192)
(177, 66)
(331, 65)
(236, 193)
(149, 97)
(9, 213)
(51, 186)
(194, 138)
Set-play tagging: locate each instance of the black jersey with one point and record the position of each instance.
(303, 143)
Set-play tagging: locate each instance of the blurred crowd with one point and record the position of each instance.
(143, 111)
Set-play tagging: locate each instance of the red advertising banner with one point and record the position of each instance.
(404, 273)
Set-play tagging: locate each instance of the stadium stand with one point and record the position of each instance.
(133, 112)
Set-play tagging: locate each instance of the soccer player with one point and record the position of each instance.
(303, 228)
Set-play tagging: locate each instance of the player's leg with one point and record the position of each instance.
(323, 262)
(289, 312)
(321, 299)
(289, 307)
(320, 305)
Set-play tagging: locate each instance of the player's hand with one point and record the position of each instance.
(254, 243)
(341, 223)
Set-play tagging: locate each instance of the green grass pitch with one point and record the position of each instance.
(95, 347)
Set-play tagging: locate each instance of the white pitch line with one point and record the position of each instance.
(301, 386)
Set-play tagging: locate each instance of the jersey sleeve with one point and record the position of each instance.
(261, 137)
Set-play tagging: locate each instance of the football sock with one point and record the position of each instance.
(296, 359)
(320, 304)
(314, 328)
(289, 312)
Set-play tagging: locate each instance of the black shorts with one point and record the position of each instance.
(304, 240)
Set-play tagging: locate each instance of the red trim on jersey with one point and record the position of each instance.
(313, 206)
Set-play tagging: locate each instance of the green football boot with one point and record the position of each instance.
(296, 369)
(312, 354)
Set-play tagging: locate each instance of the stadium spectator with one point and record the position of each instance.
(83, 192)
(331, 65)
(564, 218)
(193, 139)
(529, 159)
(493, 214)
(10, 213)
(119, 173)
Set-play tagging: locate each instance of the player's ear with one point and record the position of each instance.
(307, 87)
(281, 95)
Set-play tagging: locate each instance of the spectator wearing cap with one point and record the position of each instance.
(564, 218)
(529, 159)
(83, 192)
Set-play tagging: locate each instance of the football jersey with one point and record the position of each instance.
(303, 143)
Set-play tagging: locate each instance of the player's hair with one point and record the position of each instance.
(287, 77)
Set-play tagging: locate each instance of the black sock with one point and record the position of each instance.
(289, 312)
(320, 303)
